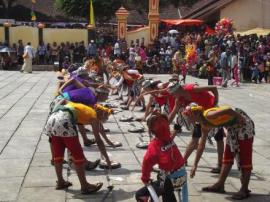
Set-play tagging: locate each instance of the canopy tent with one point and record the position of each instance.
(258, 31)
(183, 22)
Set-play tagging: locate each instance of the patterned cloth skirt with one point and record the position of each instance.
(60, 124)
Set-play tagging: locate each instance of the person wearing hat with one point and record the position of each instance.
(161, 151)
(240, 132)
(205, 96)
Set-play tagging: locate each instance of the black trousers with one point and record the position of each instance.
(166, 191)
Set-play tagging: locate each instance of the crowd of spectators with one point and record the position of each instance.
(213, 55)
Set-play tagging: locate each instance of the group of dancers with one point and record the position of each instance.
(80, 91)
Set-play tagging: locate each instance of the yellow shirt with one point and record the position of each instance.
(83, 113)
(221, 120)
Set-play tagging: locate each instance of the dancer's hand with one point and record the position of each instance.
(193, 171)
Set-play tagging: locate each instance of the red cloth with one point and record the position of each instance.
(183, 22)
(204, 99)
(133, 76)
(169, 159)
(245, 155)
(165, 98)
(72, 144)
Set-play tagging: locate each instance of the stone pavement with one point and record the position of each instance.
(26, 173)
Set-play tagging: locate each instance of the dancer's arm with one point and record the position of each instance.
(103, 134)
(95, 126)
(200, 151)
(174, 111)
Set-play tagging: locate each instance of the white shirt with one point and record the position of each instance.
(29, 50)
(117, 48)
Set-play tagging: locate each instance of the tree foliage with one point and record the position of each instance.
(105, 9)
(6, 5)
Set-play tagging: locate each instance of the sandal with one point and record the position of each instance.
(63, 186)
(89, 142)
(91, 165)
(241, 195)
(215, 170)
(219, 190)
(124, 108)
(107, 130)
(91, 191)
(114, 165)
(116, 144)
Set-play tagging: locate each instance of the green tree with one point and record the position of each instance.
(105, 9)
(6, 5)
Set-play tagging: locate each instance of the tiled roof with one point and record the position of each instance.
(203, 8)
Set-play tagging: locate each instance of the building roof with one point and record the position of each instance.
(204, 8)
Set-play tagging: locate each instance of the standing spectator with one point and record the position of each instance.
(20, 52)
(54, 52)
(210, 73)
(177, 58)
(61, 55)
(28, 58)
(76, 53)
(82, 51)
(71, 51)
(236, 73)
(267, 68)
(184, 70)
(255, 73)
(41, 51)
(225, 67)
(131, 59)
(124, 48)
(92, 49)
(117, 49)
(49, 54)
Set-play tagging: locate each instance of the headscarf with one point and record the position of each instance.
(192, 107)
(160, 124)
(103, 109)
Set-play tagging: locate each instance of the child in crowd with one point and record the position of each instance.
(255, 73)
(184, 70)
(210, 73)
(236, 74)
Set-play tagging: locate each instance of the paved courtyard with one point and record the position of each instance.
(26, 173)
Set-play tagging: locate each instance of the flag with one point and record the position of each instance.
(33, 16)
(92, 14)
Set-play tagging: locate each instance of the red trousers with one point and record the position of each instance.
(245, 154)
(72, 144)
